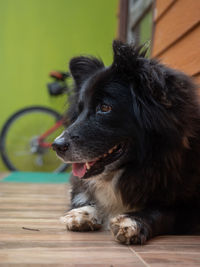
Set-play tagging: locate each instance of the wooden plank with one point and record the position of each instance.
(57, 235)
(185, 54)
(17, 223)
(62, 244)
(171, 251)
(175, 23)
(33, 206)
(30, 214)
(179, 248)
(121, 256)
(30, 232)
(21, 188)
(31, 198)
(161, 7)
(60, 265)
(171, 259)
(33, 236)
(29, 195)
(169, 243)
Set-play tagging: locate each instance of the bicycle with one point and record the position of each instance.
(26, 137)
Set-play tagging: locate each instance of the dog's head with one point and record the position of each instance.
(121, 113)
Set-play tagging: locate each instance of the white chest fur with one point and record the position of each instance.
(108, 198)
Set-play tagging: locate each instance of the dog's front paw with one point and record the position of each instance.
(81, 219)
(127, 230)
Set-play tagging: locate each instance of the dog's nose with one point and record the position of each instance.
(60, 145)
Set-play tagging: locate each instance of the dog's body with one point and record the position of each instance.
(134, 143)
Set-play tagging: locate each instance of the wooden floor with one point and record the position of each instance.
(31, 235)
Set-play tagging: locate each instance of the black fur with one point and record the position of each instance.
(155, 114)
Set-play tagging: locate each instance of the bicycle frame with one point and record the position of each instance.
(49, 132)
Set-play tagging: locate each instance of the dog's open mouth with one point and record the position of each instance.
(94, 167)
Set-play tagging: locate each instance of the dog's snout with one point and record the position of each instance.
(60, 145)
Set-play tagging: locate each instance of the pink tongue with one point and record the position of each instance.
(79, 169)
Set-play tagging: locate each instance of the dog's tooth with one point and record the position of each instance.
(110, 151)
(87, 165)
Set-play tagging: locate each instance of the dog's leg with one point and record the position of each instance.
(82, 219)
(82, 215)
(138, 227)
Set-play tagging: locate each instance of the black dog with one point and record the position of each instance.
(134, 145)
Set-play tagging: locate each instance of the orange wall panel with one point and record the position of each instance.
(185, 54)
(180, 18)
(162, 6)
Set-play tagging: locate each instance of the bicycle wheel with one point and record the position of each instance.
(18, 141)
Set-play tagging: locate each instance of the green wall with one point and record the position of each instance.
(37, 36)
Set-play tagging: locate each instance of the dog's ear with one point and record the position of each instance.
(127, 57)
(82, 67)
(146, 75)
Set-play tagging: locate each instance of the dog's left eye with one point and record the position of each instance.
(103, 108)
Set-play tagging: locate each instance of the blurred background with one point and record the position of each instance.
(38, 36)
